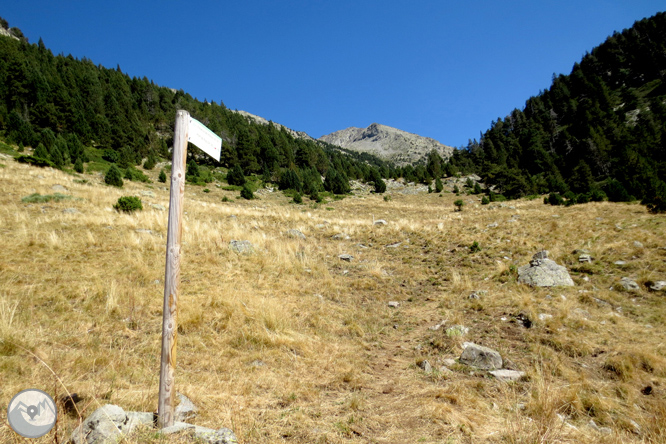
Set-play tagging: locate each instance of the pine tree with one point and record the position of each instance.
(162, 177)
(78, 165)
(113, 177)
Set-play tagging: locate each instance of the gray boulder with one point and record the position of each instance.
(480, 357)
(185, 410)
(202, 434)
(543, 272)
(106, 424)
(658, 286)
(629, 284)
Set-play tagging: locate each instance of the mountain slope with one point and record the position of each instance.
(388, 143)
(602, 127)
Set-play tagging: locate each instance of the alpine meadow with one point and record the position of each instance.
(513, 291)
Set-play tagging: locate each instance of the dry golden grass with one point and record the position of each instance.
(291, 344)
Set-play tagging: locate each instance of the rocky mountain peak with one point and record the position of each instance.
(388, 143)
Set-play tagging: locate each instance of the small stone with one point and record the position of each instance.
(297, 234)
(70, 211)
(438, 326)
(481, 357)
(449, 362)
(346, 257)
(584, 258)
(493, 225)
(340, 236)
(507, 375)
(59, 189)
(638, 244)
(619, 263)
(545, 316)
(629, 284)
(147, 193)
(381, 222)
(425, 366)
(157, 207)
(185, 410)
(474, 295)
(395, 245)
(394, 304)
(241, 246)
(144, 230)
(457, 330)
(658, 286)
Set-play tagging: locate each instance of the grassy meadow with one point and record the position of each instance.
(292, 344)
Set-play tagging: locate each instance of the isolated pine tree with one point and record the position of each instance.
(113, 177)
(162, 177)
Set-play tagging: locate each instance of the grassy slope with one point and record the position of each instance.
(291, 344)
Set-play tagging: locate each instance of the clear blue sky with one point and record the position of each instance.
(441, 69)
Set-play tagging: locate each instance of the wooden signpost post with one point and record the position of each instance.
(186, 130)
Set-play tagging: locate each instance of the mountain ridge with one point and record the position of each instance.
(388, 143)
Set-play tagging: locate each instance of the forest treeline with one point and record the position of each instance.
(58, 104)
(597, 133)
(600, 130)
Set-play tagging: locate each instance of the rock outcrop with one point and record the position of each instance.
(388, 143)
(543, 272)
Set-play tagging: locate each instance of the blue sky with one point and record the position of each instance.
(441, 69)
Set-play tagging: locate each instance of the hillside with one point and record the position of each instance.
(390, 144)
(292, 343)
(600, 128)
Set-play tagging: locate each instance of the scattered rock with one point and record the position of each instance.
(144, 230)
(241, 247)
(202, 434)
(425, 366)
(185, 410)
(619, 263)
(381, 222)
(584, 258)
(147, 193)
(545, 316)
(481, 357)
(438, 326)
(493, 225)
(543, 272)
(395, 245)
(70, 211)
(157, 207)
(449, 362)
(59, 189)
(658, 286)
(638, 244)
(297, 234)
(346, 257)
(104, 426)
(474, 295)
(394, 304)
(603, 430)
(340, 236)
(507, 375)
(629, 284)
(581, 251)
(457, 330)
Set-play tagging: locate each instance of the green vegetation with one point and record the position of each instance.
(113, 177)
(128, 204)
(459, 204)
(162, 177)
(246, 192)
(38, 198)
(599, 129)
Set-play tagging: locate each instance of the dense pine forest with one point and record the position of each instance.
(59, 105)
(597, 132)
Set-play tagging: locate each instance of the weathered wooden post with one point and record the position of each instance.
(172, 272)
(186, 130)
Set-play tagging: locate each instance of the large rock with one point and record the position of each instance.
(480, 357)
(543, 272)
(106, 424)
(185, 410)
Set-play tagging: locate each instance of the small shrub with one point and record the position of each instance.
(128, 204)
(38, 198)
(380, 186)
(35, 161)
(456, 189)
(206, 190)
(297, 198)
(439, 186)
(235, 176)
(226, 199)
(246, 192)
(554, 199)
(474, 248)
(149, 164)
(387, 198)
(111, 156)
(162, 177)
(459, 204)
(113, 177)
(485, 200)
(78, 166)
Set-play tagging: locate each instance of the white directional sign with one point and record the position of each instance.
(209, 142)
